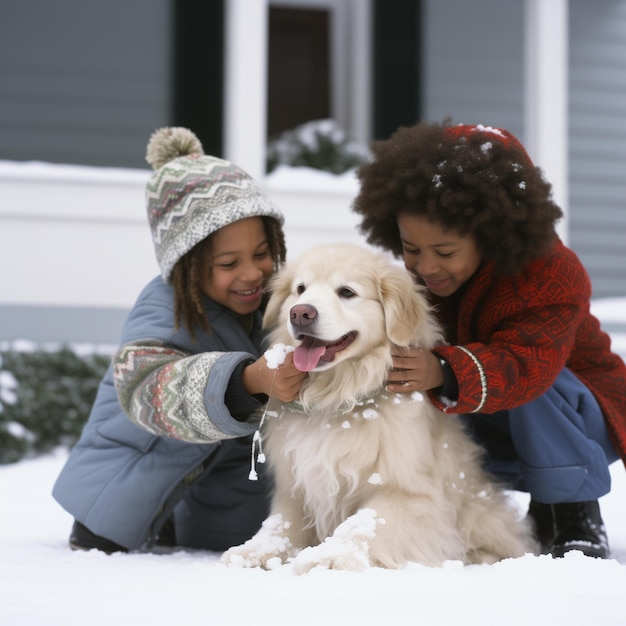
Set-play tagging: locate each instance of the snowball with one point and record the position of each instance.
(276, 355)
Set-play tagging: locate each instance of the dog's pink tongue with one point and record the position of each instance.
(308, 354)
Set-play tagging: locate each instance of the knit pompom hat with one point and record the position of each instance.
(191, 195)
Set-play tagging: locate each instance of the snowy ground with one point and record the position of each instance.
(43, 583)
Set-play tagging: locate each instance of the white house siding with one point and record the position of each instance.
(598, 141)
(75, 247)
(83, 82)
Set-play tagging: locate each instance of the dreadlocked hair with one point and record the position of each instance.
(481, 183)
(189, 309)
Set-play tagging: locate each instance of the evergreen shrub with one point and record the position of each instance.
(319, 144)
(45, 398)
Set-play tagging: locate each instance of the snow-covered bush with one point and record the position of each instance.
(319, 144)
(8, 385)
(45, 398)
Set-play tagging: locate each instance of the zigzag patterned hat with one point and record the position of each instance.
(191, 195)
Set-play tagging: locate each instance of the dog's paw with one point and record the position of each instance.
(330, 555)
(347, 549)
(268, 549)
(241, 556)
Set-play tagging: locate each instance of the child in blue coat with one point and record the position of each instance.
(165, 454)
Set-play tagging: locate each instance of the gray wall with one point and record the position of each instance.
(83, 81)
(597, 134)
(474, 72)
(473, 62)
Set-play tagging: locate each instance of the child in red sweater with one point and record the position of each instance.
(527, 365)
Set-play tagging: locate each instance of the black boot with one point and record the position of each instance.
(580, 527)
(568, 526)
(82, 538)
(542, 518)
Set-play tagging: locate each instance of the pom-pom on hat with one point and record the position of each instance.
(191, 195)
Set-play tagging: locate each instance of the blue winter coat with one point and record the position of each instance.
(121, 474)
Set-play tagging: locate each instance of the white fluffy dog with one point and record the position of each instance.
(364, 476)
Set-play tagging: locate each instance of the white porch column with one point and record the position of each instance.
(546, 106)
(245, 98)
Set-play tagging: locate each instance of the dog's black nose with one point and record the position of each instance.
(302, 315)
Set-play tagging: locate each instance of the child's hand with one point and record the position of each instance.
(282, 382)
(414, 369)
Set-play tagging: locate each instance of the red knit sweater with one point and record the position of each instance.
(511, 337)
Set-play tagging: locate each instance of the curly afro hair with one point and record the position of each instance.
(473, 180)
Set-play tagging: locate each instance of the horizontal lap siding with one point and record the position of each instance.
(473, 69)
(474, 62)
(83, 82)
(598, 141)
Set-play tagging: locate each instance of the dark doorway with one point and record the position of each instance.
(299, 68)
(397, 27)
(198, 89)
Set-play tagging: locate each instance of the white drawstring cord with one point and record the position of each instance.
(258, 439)
(274, 357)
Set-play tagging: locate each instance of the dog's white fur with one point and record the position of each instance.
(364, 476)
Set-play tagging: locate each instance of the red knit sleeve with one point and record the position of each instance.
(521, 336)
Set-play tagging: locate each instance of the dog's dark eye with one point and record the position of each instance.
(346, 292)
(300, 289)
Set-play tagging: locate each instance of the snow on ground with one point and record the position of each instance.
(43, 583)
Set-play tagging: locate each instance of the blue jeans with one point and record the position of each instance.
(556, 447)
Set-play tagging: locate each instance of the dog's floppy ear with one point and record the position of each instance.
(407, 313)
(279, 289)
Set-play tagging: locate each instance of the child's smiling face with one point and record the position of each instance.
(441, 259)
(238, 266)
